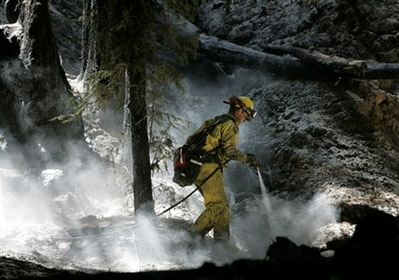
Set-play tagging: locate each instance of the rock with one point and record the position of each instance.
(380, 97)
(242, 34)
(288, 115)
(391, 24)
(316, 131)
(373, 249)
(300, 139)
(280, 128)
(367, 38)
(377, 227)
(386, 42)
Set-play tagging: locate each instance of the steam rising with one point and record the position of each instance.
(77, 215)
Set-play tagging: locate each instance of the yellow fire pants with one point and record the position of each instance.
(216, 215)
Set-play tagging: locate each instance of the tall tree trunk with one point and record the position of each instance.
(89, 55)
(142, 189)
(100, 54)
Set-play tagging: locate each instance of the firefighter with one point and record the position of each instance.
(220, 146)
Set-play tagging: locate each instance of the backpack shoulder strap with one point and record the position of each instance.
(221, 119)
(212, 124)
(198, 138)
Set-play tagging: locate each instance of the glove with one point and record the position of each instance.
(252, 160)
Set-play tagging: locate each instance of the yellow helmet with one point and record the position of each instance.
(245, 103)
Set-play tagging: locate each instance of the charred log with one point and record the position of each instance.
(338, 66)
(232, 54)
(300, 62)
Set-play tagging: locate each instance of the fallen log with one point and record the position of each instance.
(232, 54)
(285, 60)
(342, 67)
(300, 61)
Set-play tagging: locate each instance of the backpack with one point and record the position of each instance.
(188, 159)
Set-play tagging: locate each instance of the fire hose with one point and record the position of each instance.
(197, 188)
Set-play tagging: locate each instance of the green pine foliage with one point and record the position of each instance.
(118, 25)
(159, 80)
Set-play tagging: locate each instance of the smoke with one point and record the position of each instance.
(75, 215)
(254, 227)
(41, 210)
(300, 221)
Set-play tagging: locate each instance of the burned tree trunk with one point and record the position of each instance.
(142, 187)
(33, 87)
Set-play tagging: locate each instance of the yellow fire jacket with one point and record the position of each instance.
(222, 140)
